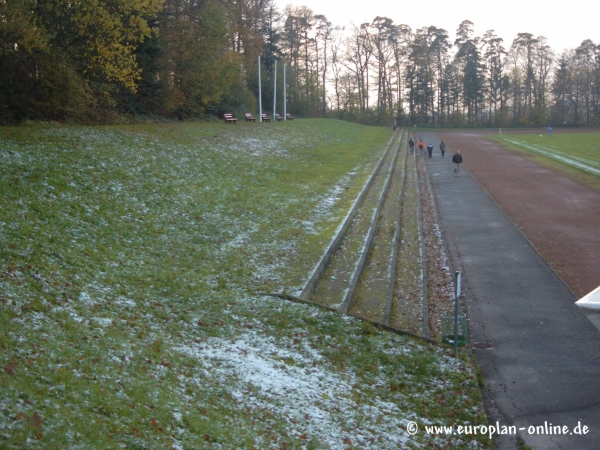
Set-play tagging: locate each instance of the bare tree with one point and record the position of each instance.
(359, 51)
(336, 64)
(586, 76)
(383, 52)
(494, 57)
(324, 35)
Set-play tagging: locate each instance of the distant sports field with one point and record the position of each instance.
(577, 150)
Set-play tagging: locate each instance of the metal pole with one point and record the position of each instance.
(284, 96)
(456, 310)
(275, 91)
(259, 93)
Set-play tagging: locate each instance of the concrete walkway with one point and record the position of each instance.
(539, 354)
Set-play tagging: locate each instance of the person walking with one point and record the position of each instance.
(430, 149)
(443, 148)
(411, 145)
(421, 147)
(457, 161)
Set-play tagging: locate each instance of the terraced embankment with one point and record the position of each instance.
(408, 308)
(375, 268)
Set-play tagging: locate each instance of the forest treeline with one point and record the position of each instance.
(106, 61)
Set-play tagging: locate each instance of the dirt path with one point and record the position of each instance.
(559, 216)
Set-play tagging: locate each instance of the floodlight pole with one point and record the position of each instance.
(259, 92)
(284, 96)
(275, 90)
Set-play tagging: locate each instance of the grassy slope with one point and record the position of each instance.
(565, 151)
(129, 258)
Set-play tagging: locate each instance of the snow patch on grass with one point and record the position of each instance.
(325, 206)
(317, 402)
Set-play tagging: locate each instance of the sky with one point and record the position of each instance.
(565, 24)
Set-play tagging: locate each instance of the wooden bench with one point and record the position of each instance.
(288, 116)
(266, 118)
(250, 117)
(278, 117)
(229, 118)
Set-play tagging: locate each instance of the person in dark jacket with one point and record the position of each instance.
(457, 161)
(430, 149)
(443, 148)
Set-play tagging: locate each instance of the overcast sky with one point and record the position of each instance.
(565, 24)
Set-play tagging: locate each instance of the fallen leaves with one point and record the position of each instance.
(35, 420)
(155, 424)
(11, 368)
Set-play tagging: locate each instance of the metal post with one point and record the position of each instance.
(456, 310)
(284, 96)
(275, 90)
(259, 93)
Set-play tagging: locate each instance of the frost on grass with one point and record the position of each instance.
(324, 210)
(299, 387)
(125, 245)
(291, 385)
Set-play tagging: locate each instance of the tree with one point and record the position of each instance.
(544, 58)
(95, 60)
(336, 67)
(586, 61)
(401, 40)
(440, 45)
(494, 59)
(253, 31)
(196, 67)
(451, 91)
(382, 38)
(324, 34)
(523, 48)
(357, 59)
(468, 57)
(420, 77)
(70, 58)
(297, 47)
(562, 89)
(111, 30)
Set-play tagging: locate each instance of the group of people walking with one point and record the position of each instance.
(456, 158)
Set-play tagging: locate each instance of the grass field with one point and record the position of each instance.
(576, 154)
(130, 258)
